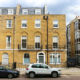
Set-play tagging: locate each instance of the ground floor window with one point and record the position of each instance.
(26, 58)
(5, 59)
(55, 58)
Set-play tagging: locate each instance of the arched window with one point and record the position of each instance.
(26, 58)
(5, 59)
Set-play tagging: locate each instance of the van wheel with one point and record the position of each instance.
(54, 74)
(10, 76)
(32, 75)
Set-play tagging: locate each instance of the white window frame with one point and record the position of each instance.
(57, 24)
(8, 23)
(38, 41)
(7, 42)
(26, 42)
(38, 11)
(25, 10)
(57, 42)
(23, 59)
(55, 54)
(23, 21)
(37, 21)
(10, 12)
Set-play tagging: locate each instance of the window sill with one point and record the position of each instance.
(55, 27)
(55, 63)
(37, 27)
(55, 48)
(23, 48)
(8, 27)
(23, 27)
(8, 48)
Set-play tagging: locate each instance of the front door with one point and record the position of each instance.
(41, 58)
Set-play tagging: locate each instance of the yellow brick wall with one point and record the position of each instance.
(31, 32)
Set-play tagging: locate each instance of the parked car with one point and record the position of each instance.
(4, 72)
(42, 69)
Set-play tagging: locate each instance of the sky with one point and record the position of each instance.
(71, 8)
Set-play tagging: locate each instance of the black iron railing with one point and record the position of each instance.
(30, 47)
(51, 47)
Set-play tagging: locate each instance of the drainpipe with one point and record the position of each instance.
(13, 39)
(47, 39)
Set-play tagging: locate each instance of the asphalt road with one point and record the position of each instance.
(63, 77)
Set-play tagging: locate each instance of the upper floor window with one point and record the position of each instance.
(8, 42)
(25, 11)
(24, 23)
(55, 24)
(55, 58)
(55, 42)
(23, 42)
(10, 11)
(37, 23)
(0, 11)
(37, 11)
(37, 42)
(9, 23)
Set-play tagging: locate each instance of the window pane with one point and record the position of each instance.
(37, 23)
(24, 23)
(55, 39)
(37, 45)
(59, 59)
(55, 59)
(9, 23)
(10, 11)
(8, 41)
(37, 39)
(55, 45)
(55, 23)
(26, 58)
(55, 42)
(24, 42)
(38, 11)
(25, 11)
(51, 59)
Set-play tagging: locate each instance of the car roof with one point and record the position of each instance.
(37, 63)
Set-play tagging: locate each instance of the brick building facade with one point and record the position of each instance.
(30, 35)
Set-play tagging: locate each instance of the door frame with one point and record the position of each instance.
(38, 56)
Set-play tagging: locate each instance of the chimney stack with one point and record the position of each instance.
(18, 9)
(45, 10)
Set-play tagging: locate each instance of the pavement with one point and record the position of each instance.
(70, 71)
(64, 71)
